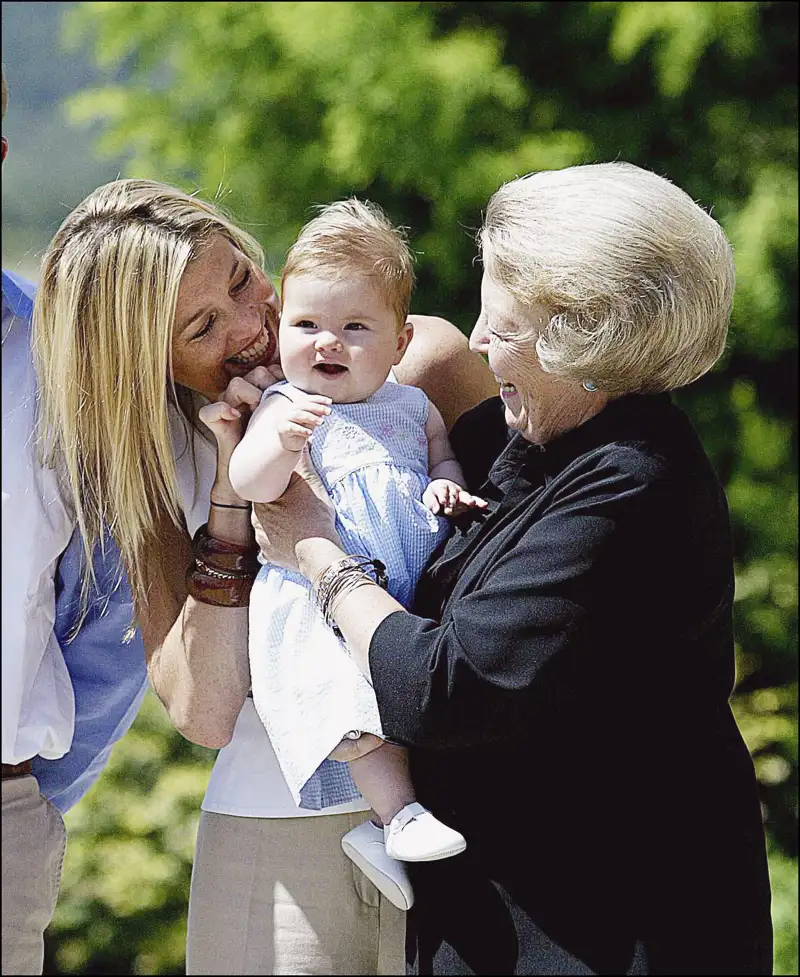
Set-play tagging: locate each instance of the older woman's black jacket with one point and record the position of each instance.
(563, 685)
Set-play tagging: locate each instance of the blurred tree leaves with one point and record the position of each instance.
(683, 37)
(122, 908)
(290, 104)
(427, 108)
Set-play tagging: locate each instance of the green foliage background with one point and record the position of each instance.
(427, 108)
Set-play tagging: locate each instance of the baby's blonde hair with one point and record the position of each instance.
(637, 278)
(103, 321)
(355, 237)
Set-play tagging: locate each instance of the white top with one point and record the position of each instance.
(246, 779)
(38, 703)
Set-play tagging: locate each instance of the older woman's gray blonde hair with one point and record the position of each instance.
(638, 279)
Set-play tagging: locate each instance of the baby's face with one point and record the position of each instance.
(338, 338)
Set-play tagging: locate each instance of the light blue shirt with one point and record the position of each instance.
(109, 678)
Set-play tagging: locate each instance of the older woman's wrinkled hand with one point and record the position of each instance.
(303, 515)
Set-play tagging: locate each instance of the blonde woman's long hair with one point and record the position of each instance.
(102, 336)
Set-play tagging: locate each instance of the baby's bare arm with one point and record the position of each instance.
(441, 457)
(446, 492)
(263, 461)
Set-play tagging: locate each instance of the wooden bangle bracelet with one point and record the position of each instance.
(221, 592)
(224, 556)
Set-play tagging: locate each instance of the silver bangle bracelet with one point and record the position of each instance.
(337, 580)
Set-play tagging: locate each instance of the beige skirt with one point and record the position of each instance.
(279, 896)
(34, 842)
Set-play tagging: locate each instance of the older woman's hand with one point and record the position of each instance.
(302, 517)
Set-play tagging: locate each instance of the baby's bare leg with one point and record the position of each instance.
(382, 777)
(348, 750)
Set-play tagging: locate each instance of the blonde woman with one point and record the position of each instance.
(154, 313)
(572, 649)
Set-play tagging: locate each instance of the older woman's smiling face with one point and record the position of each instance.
(226, 319)
(537, 404)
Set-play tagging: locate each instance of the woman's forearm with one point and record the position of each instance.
(201, 671)
(359, 612)
(197, 653)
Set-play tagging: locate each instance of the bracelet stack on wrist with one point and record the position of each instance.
(221, 572)
(332, 583)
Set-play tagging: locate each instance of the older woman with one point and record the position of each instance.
(571, 650)
(153, 308)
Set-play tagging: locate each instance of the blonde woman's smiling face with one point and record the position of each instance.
(226, 319)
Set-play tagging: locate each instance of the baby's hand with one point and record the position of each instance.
(450, 499)
(299, 419)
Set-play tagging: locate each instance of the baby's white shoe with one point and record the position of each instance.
(415, 835)
(365, 846)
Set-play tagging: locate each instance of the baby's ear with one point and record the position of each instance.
(404, 337)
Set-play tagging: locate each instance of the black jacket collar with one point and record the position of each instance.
(627, 418)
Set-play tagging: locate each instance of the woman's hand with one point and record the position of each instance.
(227, 420)
(299, 523)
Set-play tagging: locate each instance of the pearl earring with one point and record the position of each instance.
(589, 385)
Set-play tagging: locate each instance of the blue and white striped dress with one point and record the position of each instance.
(372, 457)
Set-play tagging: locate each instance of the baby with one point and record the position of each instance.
(382, 452)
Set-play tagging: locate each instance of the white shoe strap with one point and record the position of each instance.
(406, 814)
